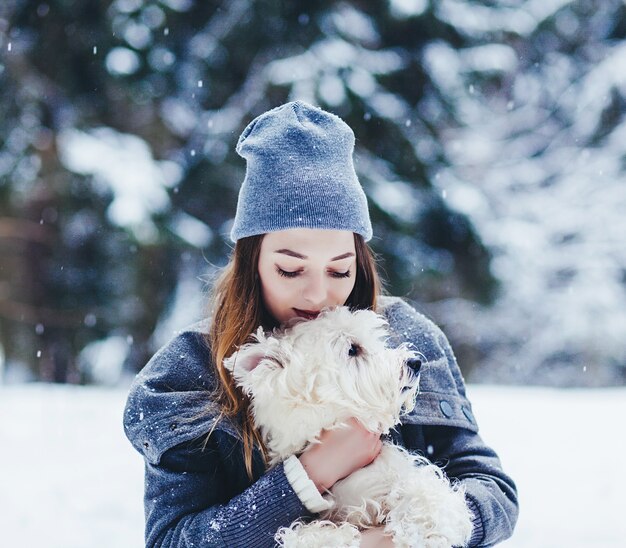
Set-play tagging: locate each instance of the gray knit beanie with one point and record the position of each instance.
(299, 174)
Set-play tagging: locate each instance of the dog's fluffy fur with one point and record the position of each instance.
(317, 374)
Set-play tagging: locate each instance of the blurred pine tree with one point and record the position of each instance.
(98, 228)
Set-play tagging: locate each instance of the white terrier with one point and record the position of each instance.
(316, 375)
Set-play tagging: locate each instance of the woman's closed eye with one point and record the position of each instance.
(295, 273)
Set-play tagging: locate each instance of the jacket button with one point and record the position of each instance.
(446, 408)
(146, 444)
(468, 414)
(173, 426)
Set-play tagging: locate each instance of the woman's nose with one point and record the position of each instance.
(315, 290)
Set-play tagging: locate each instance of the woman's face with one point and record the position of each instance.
(303, 270)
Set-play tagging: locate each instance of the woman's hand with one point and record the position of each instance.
(340, 452)
(376, 538)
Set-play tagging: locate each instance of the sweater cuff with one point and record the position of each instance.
(478, 532)
(304, 486)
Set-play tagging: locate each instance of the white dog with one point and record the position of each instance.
(317, 374)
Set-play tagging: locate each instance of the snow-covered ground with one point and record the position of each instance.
(69, 478)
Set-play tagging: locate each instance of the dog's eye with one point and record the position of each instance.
(355, 350)
(278, 364)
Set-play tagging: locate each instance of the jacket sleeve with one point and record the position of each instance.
(445, 428)
(184, 506)
(490, 493)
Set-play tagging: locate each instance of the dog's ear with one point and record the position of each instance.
(245, 359)
(248, 356)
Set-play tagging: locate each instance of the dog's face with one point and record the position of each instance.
(316, 374)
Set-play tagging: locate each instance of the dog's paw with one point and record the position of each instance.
(318, 534)
(427, 512)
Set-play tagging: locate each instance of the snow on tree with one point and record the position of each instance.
(488, 141)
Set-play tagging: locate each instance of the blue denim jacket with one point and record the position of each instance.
(197, 492)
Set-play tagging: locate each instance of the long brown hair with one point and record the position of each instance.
(238, 309)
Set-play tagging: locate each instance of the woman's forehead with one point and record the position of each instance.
(307, 242)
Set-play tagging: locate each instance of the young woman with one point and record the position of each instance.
(300, 236)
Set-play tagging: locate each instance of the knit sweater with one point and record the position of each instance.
(197, 492)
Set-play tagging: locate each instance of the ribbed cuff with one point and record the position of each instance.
(304, 486)
(478, 532)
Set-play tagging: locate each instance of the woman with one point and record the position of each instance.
(300, 232)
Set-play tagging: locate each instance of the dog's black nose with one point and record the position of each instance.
(415, 364)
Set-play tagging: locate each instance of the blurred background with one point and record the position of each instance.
(491, 142)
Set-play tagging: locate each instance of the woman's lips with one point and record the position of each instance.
(307, 314)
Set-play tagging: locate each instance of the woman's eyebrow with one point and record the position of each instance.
(304, 257)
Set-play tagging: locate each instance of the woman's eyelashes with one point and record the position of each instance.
(286, 273)
(295, 273)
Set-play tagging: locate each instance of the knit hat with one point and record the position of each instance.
(299, 174)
